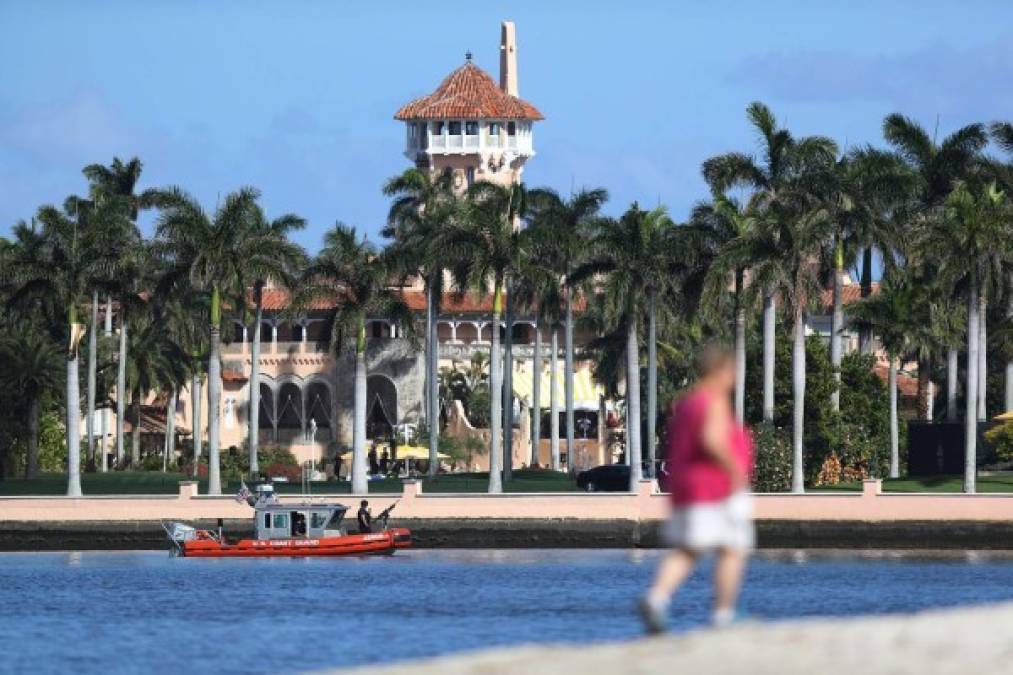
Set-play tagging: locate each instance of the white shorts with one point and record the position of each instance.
(713, 525)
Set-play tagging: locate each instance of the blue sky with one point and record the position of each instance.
(297, 98)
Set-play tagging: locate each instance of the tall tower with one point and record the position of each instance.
(472, 127)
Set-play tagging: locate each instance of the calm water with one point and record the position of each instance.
(146, 612)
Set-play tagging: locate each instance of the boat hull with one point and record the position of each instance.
(387, 541)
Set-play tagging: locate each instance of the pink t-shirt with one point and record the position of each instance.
(694, 476)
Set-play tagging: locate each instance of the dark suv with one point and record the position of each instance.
(605, 478)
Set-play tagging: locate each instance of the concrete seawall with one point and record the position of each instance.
(934, 643)
(869, 519)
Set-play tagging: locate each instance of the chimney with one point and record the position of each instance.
(508, 59)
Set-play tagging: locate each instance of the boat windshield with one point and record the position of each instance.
(335, 520)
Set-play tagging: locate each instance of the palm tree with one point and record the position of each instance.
(118, 183)
(569, 220)
(935, 168)
(33, 368)
(537, 292)
(155, 363)
(60, 264)
(862, 195)
(911, 318)
(973, 247)
(1002, 133)
(218, 254)
(281, 268)
(424, 203)
(350, 272)
(721, 222)
(484, 248)
(772, 180)
(631, 258)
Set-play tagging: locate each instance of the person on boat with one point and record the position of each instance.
(364, 517)
(709, 462)
(384, 462)
(374, 467)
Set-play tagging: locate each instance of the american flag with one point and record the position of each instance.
(243, 493)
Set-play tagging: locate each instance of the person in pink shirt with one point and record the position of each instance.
(709, 457)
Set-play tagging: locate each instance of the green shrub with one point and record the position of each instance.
(1000, 437)
(151, 462)
(773, 459)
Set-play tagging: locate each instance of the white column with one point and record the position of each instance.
(274, 338)
(453, 331)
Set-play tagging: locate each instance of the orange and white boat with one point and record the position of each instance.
(291, 530)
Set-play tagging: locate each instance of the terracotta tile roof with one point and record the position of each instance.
(468, 92)
(849, 294)
(907, 385)
(277, 299)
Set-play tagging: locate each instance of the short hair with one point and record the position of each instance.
(712, 357)
(363, 503)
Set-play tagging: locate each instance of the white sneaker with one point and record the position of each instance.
(655, 618)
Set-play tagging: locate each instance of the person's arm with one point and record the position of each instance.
(715, 434)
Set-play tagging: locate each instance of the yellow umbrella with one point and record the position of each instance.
(416, 452)
(1005, 417)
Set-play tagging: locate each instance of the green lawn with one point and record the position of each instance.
(155, 482)
(1002, 483)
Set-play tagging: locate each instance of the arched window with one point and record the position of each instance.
(318, 409)
(381, 406)
(290, 409)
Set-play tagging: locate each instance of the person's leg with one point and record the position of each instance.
(728, 572)
(673, 571)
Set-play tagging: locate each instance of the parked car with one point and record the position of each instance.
(605, 478)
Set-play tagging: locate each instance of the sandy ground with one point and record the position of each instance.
(977, 640)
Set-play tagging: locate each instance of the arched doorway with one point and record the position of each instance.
(290, 412)
(267, 423)
(381, 406)
(318, 409)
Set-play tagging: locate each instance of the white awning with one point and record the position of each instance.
(585, 390)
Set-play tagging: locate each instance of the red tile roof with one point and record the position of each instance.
(849, 294)
(468, 92)
(907, 384)
(277, 299)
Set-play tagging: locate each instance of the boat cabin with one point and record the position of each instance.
(298, 521)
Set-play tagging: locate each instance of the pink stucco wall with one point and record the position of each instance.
(870, 505)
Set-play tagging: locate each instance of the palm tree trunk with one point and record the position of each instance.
(769, 319)
(360, 482)
(924, 389)
(837, 326)
(982, 357)
(121, 391)
(195, 394)
(92, 369)
(214, 395)
(432, 377)
(652, 383)
(32, 460)
(536, 396)
(951, 385)
(554, 398)
(865, 288)
(135, 440)
(1008, 404)
(508, 390)
(170, 429)
(894, 428)
(798, 402)
(104, 430)
(971, 417)
(740, 351)
(633, 401)
(254, 413)
(73, 424)
(568, 378)
(495, 394)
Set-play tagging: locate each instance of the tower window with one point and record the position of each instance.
(511, 128)
(471, 128)
(494, 128)
(455, 129)
(470, 175)
(437, 128)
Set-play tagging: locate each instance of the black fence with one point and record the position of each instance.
(935, 448)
